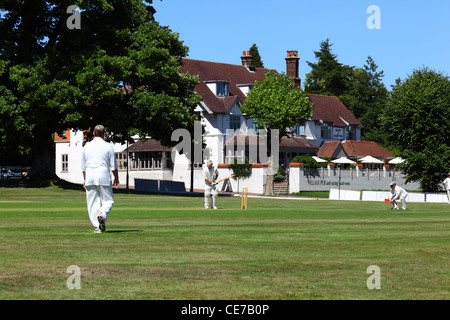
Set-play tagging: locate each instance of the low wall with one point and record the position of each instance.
(324, 179)
(342, 194)
(255, 184)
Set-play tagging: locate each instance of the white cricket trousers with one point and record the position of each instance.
(99, 201)
(208, 193)
(402, 200)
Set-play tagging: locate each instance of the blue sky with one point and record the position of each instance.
(414, 33)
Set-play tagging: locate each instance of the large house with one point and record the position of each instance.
(223, 88)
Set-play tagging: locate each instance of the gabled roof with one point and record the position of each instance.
(328, 149)
(354, 149)
(365, 148)
(213, 71)
(331, 110)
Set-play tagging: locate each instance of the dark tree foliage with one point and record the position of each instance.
(120, 69)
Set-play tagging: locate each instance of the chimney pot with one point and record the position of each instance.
(246, 59)
(292, 66)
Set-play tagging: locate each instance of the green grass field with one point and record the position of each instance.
(167, 247)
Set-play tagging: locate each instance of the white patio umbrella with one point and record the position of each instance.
(319, 159)
(343, 160)
(396, 160)
(370, 159)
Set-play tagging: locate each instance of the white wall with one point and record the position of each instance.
(73, 149)
(382, 195)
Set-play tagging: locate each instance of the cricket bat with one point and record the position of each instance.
(223, 179)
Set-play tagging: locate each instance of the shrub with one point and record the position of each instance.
(308, 161)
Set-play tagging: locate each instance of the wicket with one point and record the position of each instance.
(244, 198)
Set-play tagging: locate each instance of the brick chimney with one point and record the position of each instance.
(246, 59)
(292, 61)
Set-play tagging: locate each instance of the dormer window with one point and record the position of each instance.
(246, 88)
(222, 89)
(218, 87)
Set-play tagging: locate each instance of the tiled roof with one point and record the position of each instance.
(354, 149)
(214, 71)
(148, 145)
(297, 143)
(331, 110)
(365, 148)
(328, 148)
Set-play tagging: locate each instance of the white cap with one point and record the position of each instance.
(392, 183)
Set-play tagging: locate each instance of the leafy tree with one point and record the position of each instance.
(241, 170)
(416, 119)
(366, 98)
(256, 58)
(274, 103)
(327, 76)
(121, 69)
(361, 90)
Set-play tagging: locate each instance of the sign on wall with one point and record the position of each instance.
(338, 133)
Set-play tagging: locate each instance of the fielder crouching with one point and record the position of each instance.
(398, 193)
(210, 174)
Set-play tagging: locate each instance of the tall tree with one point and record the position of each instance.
(366, 98)
(327, 76)
(274, 103)
(416, 118)
(256, 58)
(121, 69)
(361, 90)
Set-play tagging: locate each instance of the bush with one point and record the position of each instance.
(280, 176)
(242, 170)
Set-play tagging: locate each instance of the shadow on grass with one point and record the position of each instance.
(27, 182)
(121, 231)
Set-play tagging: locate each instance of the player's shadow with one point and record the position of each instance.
(120, 231)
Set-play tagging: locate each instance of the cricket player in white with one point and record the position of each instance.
(97, 160)
(447, 186)
(398, 193)
(210, 174)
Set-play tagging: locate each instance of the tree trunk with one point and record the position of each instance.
(270, 174)
(269, 186)
(43, 158)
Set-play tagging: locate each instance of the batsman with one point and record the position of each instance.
(210, 174)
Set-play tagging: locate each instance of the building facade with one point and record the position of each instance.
(223, 88)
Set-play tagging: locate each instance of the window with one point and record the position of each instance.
(300, 130)
(325, 131)
(121, 159)
(64, 163)
(167, 157)
(150, 160)
(145, 160)
(351, 133)
(235, 122)
(221, 89)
